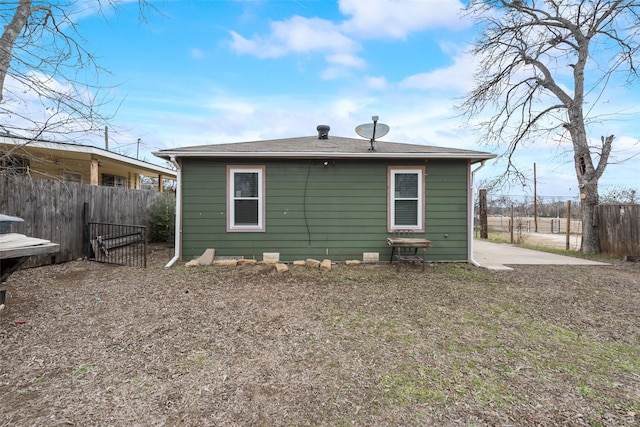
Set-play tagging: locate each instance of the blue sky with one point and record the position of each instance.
(203, 72)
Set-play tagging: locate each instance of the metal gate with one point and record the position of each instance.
(116, 243)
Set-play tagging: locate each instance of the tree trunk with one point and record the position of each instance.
(587, 175)
(589, 199)
(9, 36)
(484, 226)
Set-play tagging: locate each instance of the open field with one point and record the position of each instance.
(552, 232)
(528, 225)
(91, 344)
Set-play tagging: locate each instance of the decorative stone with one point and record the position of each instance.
(192, 263)
(312, 263)
(281, 268)
(352, 262)
(325, 265)
(271, 256)
(370, 256)
(226, 262)
(207, 257)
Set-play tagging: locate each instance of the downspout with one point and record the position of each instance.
(472, 213)
(178, 230)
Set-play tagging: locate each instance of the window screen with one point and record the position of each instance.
(406, 198)
(246, 199)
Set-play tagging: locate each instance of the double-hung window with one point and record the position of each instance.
(245, 198)
(114, 181)
(13, 165)
(406, 198)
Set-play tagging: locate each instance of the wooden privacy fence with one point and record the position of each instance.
(619, 229)
(53, 210)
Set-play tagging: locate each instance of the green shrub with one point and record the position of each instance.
(162, 218)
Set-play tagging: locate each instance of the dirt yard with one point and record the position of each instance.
(93, 344)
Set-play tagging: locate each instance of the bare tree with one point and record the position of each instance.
(618, 196)
(49, 80)
(541, 65)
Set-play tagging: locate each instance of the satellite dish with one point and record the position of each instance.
(372, 130)
(366, 130)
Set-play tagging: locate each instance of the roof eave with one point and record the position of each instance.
(323, 155)
(98, 152)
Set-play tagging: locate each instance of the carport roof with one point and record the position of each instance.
(332, 147)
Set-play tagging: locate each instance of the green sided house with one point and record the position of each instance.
(322, 197)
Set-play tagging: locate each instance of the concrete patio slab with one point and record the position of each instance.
(498, 256)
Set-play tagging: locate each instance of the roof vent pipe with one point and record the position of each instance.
(323, 131)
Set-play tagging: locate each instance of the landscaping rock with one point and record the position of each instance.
(371, 257)
(271, 256)
(312, 263)
(325, 265)
(192, 263)
(226, 262)
(281, 268)
(207, 257)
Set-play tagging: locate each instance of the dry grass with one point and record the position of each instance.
(457, 345)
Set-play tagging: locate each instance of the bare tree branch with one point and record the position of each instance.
(45, 60)
(536, 72)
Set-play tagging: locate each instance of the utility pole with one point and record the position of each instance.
(106, 138)
(138, 150)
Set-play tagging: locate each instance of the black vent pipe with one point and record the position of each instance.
(323, 131)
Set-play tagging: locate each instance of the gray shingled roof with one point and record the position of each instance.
(333, 147)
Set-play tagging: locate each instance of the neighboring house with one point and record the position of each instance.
(76, 163)
(322, 197)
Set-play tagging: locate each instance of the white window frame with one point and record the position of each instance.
(391, 198)
(231, 198)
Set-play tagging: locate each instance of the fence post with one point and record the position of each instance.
(568, 224)
(85, 231)
(511, 225)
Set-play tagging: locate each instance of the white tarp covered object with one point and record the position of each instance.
(13, 245)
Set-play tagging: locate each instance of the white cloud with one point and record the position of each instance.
(628, 144)
(334, 73)
(376, 82)
(338, 41)
(399, 18)
(457, 77)
(232, 106)
(197, 53)
(345, 107)
(257, 47)
(37, 103)
(296, 35)
(346, 60)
